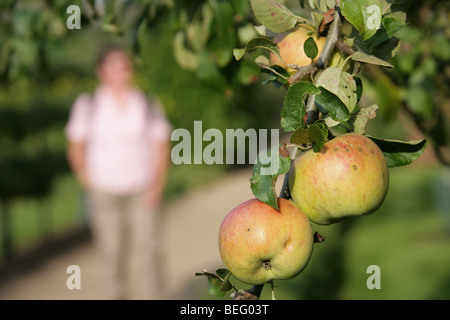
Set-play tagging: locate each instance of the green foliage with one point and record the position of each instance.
(274, 15)
(269, 166)
(364, 15)
(334, 93)
(204, 43)
(315, 134)
(400, 153)
(256, 43)
(218, 283)
(293, 112)
(310, 48)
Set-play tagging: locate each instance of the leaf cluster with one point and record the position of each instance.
(327, 104)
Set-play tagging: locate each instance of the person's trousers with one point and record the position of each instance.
(124, 228)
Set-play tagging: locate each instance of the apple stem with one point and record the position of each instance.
(267, 265)
(272, 287)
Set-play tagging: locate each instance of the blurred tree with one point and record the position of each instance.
(418, 84)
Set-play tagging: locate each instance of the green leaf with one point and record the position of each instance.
(359, 121)
(420, 100)
(390, 26)
(214, 286)
(364, 15)
(186, 58)
(225, 274)
(310, 48)
(330, 103)
(209, 72)
(400, 153)
(366, 58)
(341, 84)
(218, 284)
(277, 73)
(269, 165)
(255, 43)
(222, 272)
(316, 133)
(223, 28)
(274, 15)
(293, 109)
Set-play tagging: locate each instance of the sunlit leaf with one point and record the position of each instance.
(274, 15)
(293, 110)
(270, 164)
(400, 153)
(364, 15)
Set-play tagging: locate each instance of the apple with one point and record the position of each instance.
(348, 177)
(258, 243)
(290, 44)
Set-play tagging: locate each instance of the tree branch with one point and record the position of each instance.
(344, 48)
(325, 55)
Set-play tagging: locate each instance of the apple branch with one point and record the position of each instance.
(332, 38)
(325, 55)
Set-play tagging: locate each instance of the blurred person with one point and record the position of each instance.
(118, 148)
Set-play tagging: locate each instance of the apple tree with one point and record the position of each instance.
(315, 51)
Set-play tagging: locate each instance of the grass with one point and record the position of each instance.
(34, 220)
(408, 238)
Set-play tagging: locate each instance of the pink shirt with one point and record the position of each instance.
(120, 139)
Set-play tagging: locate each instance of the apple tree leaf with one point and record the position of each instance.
(269, 165)
(274, 15)
(330, 103)
(293, 110)
(316, 133)
(400, 153)
(219, 283)
(366, 58)
(389, 27)
(358, 122)
(277, 74)
(364, 15)
(310, 48)
(255, 43)
(225, 275)
(341, 83)
(186, 58)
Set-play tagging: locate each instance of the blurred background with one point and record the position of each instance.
(183, 53)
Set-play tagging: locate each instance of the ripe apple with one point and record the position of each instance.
(348, 177)
(258, 243)
(291, 43)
